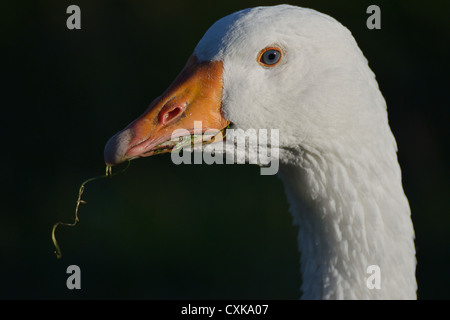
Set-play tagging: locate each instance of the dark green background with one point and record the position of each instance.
(161, 231)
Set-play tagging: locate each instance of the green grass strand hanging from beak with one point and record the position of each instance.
(108, 173)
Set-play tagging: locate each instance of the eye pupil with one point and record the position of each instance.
(270, 57)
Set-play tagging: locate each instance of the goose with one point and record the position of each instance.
(300, 71)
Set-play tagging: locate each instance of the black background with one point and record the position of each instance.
(161, 231)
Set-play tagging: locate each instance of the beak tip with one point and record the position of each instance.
(116, 147)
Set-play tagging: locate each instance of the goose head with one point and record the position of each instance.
(282, 67)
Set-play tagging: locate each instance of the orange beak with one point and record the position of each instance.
(195, 95)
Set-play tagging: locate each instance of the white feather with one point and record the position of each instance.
(338, 155)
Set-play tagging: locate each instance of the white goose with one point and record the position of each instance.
(301, 72)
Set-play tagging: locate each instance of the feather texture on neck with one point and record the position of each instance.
(352, 213)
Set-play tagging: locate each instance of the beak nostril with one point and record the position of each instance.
(171, 114)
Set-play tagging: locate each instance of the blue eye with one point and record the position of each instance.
(270, 57)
